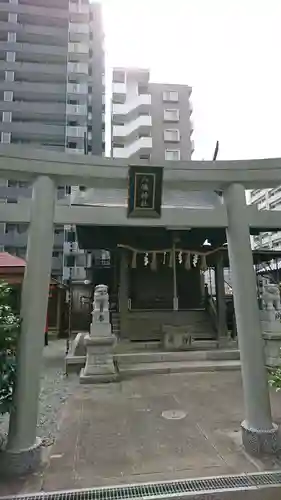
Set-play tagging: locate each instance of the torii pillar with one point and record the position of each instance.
(23, 450)
(259, 433)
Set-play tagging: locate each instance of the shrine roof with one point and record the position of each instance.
(8, 260)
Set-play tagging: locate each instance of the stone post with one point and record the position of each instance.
(99, 343)
(123, 293)
(220, 297)
(259, 434)
(23, 452)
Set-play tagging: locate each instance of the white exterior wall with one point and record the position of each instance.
(141, 126)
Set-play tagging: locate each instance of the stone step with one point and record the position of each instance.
(131, 358)
(178, 367)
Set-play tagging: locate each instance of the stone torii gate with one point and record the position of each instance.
(47, 170)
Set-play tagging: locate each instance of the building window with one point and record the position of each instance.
(171, 95)
(80, 260)
(12, 184)
(144, 134)
(11, 250)
(22, 228)
(72, 145)
(171, 115)
(274, 205)
(10, 228)
(70, 260)
(142, 89)
(171, 135)
(145, 157)
(119, 76)
(70, 236)
(24, 184)
(172, 154)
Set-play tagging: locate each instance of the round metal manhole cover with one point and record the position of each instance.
(173, 414)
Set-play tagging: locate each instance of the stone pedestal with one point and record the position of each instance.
(176, 338)
(271, 327)
(99, 367)
(272, 349)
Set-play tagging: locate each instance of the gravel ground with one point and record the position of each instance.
(55, 389)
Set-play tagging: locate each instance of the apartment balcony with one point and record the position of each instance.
(79, 151)
(23, 110)
(76, 132)
(119, 91)
(77, 273)
(257, 194)
(69, 248)
(35, 33)
(263, 205)
(31, 52)
(76, 109)
(276, 236)
(80, 28)
(48, 14)
(35, 72)
(28, 91)
(128, 109)
(57, 265)
(77, 48)
(9, 192)
(78, 13)
(142, 124)
(142, 145)
(77, 88)
(15, 240)
(26, 130)
(78, 8)
(77, 68)
(19, 240)
(78, 52)
(274, 196)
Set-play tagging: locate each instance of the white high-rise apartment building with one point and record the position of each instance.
(149, 121)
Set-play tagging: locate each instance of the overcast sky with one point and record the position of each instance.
(227, 50)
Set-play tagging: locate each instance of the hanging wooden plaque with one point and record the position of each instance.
(145, 191)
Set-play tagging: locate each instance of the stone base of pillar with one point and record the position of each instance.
(259, 442)
(19, 462)
(99, 366)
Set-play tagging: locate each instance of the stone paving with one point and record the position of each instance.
(148, 428)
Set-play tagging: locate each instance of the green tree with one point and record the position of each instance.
(9, 331)
(275, 379)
